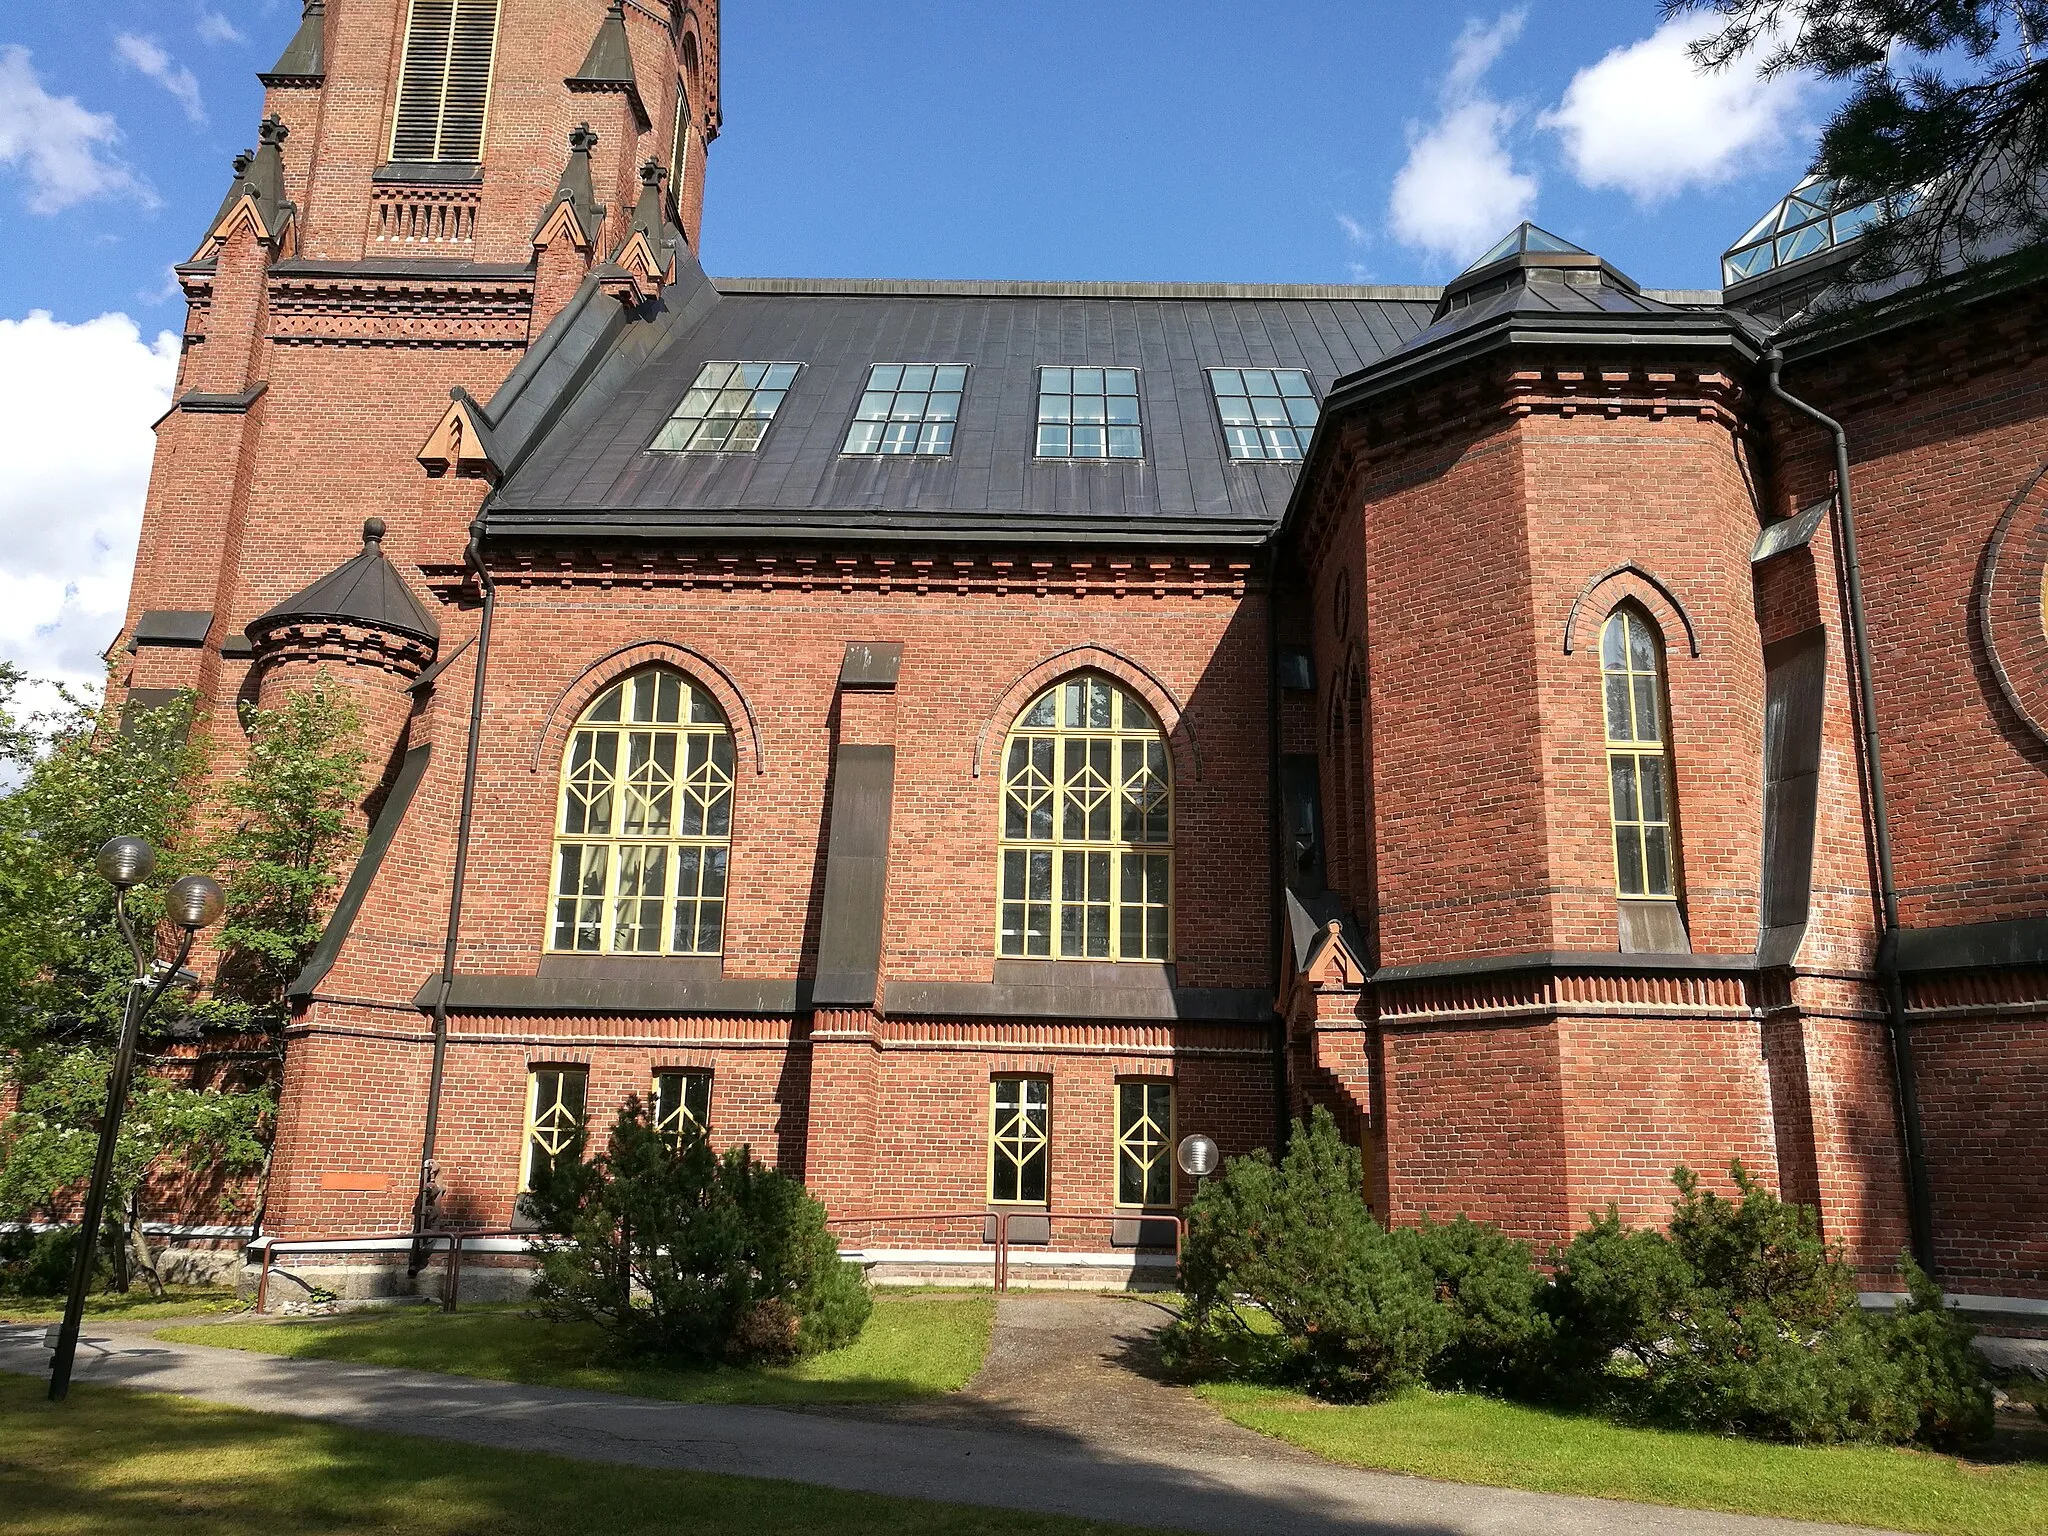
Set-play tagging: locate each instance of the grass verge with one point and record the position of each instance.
(179, 1301)
(917, 1344)
(115, 1463)
(1465, 1439)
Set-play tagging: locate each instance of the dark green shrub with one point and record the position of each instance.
(1355, 1310)
(39, 1263)
(1489, 1284)
(678, 1253)
(1743, 1320)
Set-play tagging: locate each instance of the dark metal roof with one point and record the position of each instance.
(588, 473)
(364, 591)
(304, 61)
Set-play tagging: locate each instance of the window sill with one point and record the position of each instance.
(438, 172)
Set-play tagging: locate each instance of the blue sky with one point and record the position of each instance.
(1126, 139)
(1287, 141)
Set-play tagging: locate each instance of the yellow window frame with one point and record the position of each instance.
(552, 1121)
(1642, 799)
(1144, 1141)
(1086, 828)
(1014, 1138)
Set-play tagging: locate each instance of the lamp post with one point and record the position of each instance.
(193, 902)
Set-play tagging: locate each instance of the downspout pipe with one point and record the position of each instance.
(1276, 869)
(473, 557)
(1919, 1202)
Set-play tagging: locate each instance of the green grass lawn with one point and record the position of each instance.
(1468, 1439)
(917, 1344)
(115, 1463)
(180, 1301)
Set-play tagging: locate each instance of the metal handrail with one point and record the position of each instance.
(347, 1242)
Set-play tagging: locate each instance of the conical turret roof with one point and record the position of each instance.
(366, 591)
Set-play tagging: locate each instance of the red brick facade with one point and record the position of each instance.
(1465, 994)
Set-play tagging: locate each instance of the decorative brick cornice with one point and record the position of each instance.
(405, 310)
(1118, 576)
(1534, 995)
(321, 641)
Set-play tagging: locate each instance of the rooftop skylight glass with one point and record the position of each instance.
(728, 408)
(1268, 413)
(1089, 413)
(1803, 223)
(1526, 237)
(908, 408)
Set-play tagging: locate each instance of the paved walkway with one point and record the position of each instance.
(1064, 1419)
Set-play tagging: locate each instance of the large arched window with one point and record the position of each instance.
(1638, 757)
(645, 824)
(1087, 831)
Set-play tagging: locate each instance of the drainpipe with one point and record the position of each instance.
(1276, 869)
(1919, 1203)
(473, 557)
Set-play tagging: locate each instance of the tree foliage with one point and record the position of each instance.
(678, 1253)
(276, 833)
(1945, 124)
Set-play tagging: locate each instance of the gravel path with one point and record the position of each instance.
(1063, 1419)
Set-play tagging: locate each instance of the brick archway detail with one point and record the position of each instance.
(607, 669)
(1669, 600)
(2012, 602)
(1180, 736)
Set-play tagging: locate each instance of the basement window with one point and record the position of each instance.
(1268, 413)
(908, 408)
(728, 409)
(1089, 413)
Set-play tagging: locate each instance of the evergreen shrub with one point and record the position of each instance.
(1355, 1309)
(677, 1253)
(1501, 1340)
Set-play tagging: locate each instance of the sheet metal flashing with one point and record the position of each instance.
(1789, 533)
(872, 665)
(985, 289)
(172, 626)
(2017, 944)
(856, 877)
(364, 875)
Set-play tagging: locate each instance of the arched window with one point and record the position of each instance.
(1638, 757)
(645, 825)
(1087, 831)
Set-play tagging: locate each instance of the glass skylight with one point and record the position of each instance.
(1268, 413)
(1089, 413)
(1525, 237)
(728, 409)
(908, 408)
(1804, 223)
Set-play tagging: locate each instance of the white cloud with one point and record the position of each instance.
(56, 143)
(1354, 231)
(146, 57)
(1459, 191)
(215, 29)
(79, 401)
(1647, 121)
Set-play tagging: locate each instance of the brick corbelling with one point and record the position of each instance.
(350, 645)
(1079, 574)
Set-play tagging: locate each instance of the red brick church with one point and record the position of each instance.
(960, 738)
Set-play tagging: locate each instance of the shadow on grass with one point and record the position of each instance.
(113, 1463)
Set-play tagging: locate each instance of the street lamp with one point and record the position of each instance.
(193, 902)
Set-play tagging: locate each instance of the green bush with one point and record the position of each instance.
(1744, 1320)
(1488, 1283)
(39, 1263)
(1355, 1309)
(679, 1254)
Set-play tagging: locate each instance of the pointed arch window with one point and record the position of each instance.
(644, 829)
(1087, 828)
(1638, 757)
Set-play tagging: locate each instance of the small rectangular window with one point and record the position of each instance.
(554, 1117)
(728, 408)
(444, 85)
(908, 408)
(1144, 1143)
(1267, 413)
(682, 1103)
(1020, 1140)
(1089, 413)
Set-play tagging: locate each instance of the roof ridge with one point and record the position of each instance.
(1003, 289)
